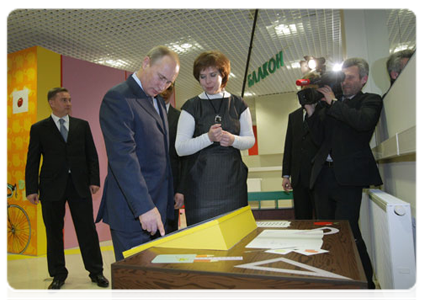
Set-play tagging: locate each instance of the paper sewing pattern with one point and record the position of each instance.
(190, 258)
(278, 239)
(273, 224)
(311, 271)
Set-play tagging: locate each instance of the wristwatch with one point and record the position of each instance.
(333, 100)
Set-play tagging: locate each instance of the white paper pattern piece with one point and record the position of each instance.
(274, 224)
(312, 271)
(280, 251)
(217, 258)
(190, 258)
(174, 258)
(331, 230)
(309, 252)
(278, 239)
(20, 101)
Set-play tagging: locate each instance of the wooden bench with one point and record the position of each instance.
(274, 212)
(265, 196)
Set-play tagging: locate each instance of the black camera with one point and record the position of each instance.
(311, 95)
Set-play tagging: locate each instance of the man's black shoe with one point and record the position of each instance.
(56, 284)
(100, 280)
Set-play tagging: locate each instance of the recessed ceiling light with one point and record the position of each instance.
(286, 29)
(112, 62)
(186, 46)
(282, 28)
(295, 65)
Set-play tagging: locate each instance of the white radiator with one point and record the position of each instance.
(386, 225)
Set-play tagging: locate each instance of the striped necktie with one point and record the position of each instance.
(63, 130)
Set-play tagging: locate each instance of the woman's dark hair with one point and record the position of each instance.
(213, 59)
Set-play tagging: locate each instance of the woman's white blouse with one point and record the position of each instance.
(185, 143)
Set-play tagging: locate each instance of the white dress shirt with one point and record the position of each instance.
(154, 99)
(56, 121)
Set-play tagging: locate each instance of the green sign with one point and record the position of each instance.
(269, 67)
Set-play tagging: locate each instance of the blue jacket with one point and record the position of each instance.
(139, 177)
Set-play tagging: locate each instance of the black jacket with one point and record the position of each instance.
(175, 160)
(78, 155)
(344, 130)
(299, 150)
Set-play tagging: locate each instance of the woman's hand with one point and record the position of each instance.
(227, 139)
(215, 133)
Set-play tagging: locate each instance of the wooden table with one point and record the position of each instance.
(137, 271)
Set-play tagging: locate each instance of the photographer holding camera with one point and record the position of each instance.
(344, 163)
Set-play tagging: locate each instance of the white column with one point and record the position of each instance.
(365, 35)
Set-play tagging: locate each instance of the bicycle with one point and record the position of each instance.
(18, 225)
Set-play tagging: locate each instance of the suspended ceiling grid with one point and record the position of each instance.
(401, 25)
(121, 38)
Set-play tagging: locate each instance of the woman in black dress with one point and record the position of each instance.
(213, 127)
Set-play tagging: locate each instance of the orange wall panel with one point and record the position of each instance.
(29, 72)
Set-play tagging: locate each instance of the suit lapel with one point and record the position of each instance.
(164, 121)
(299, 122)
(354, 101)
(145, 102)
(52, 127)
(73, 124)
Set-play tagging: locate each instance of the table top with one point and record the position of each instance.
(341, 264)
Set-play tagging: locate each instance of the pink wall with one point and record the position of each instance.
(87, 84)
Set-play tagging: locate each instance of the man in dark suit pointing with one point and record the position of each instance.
(138, 190)
(69, 173)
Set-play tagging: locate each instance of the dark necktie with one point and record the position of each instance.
(63, 130)
(305, 125)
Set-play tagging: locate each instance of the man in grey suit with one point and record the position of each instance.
(69, 173)
(138, 190)
(344, 163)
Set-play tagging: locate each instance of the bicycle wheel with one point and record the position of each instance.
(18, 229)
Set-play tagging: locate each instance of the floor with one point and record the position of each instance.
(28, 272)
(27, 278)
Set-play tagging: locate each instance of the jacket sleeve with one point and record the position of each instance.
(286, 162)
(316, 123)
(363, 118)
(32, 167)
(117, 125)
(92, 157)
